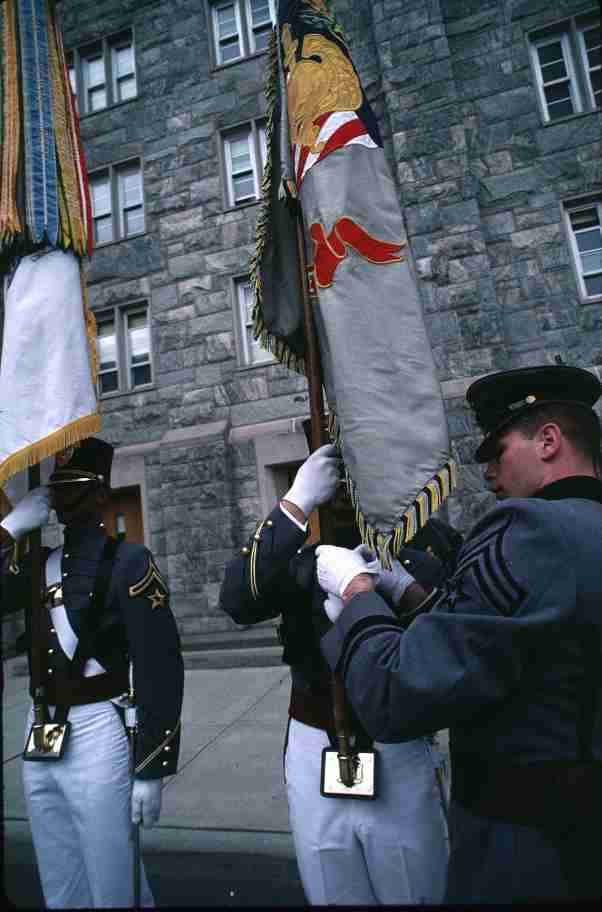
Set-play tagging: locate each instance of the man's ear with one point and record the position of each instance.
(549, 440)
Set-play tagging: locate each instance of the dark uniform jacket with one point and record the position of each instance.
(135, 624)
(508, 658)
(274, 575)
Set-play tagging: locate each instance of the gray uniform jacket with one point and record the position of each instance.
(508, 658)
(135, 623)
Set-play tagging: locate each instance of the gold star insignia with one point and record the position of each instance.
(157, 599)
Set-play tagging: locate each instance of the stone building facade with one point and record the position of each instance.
(490, 111)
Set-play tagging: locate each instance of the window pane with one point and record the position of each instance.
(595, 57)
(226, 21)
(247, 295)
(133, 221)
(589, 240)
(262, 38)
(257, 353)
(94, 71)
(550, 53)
(141, 375)
(138, 337)
(103, 230)
(584, 218)
(229, 51)
(108, 382)
(592, 262)
(125, 88)
(106, 343)
(130, 185)
(244, 188)
(97, 99)
(260, 12)
(553, 71)
(240, 154)
(560, 109)
(100, 191)
(123, 60)
(558, 92)
(593, 285)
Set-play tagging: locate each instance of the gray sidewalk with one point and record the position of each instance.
(227, 801)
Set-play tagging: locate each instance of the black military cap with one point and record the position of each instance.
(499, 399)
(89, 460)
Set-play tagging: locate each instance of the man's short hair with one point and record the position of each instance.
(580, 425)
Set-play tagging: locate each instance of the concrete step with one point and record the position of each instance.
(231, 639)
(239, 657)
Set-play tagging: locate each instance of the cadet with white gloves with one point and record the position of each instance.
(392, 849)
(104, 624)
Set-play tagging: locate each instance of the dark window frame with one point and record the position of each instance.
(113, 170)
(76, 58)
(244, 34)
(118, 314)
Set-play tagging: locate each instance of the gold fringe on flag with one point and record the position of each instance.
(281, 351)
(428, 500)
(66, 436)
(10, 224)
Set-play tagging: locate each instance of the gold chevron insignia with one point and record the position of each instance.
(152, 586)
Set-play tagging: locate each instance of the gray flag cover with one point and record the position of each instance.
(383, 394)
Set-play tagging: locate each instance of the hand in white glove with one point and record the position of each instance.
(30, 513)
(393, 583)
(146, 801)
(316, 481)
(336, 567)
(333, 606)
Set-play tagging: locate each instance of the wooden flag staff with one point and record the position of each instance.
(319, 436)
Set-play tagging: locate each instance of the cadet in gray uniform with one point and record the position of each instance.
(353, 852)
(509, 654)
(104, 606)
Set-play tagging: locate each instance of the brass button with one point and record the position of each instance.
(269, 523)
(52, 630)
(65, 573)
(50, 652)
(90, 594)
(257, 537)
(165, 763)
(168, 731)
(167, 747)
(50, 671)
(245, 551)
(407, 563)
(65, 554)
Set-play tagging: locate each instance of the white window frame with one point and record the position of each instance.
(119, 315)
(256, 135)
(569, 32)
(570, 207)
(104, 48)
(118, 207)
(242, 324)
(585, 62)
(244, 26)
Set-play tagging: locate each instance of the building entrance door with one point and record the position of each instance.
(122, 515)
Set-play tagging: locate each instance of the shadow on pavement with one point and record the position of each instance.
(179, 879)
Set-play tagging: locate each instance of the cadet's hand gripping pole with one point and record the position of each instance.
(131, 723)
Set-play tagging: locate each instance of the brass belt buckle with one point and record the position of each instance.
(364, 779)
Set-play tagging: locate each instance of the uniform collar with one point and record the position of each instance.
(582, 486)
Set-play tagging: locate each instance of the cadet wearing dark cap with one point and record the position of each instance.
(509, 654)
(104, 628)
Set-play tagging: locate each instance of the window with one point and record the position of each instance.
(244, 151)
(124, 349)
(585, 230)
(250, 351)
(103, 73)
(240, 28)
(117, 202)
(567, 63)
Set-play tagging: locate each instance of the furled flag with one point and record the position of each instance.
(384, 399)
(48, 368)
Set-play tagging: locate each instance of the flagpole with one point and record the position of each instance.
(313, 371)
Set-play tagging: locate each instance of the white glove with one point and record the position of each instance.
(316, 481)
(336, 567)
(333, 606)
(146, 801)
(30, 513)
(394, 582)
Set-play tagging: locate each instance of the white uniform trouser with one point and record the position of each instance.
(391, 850)
(79, 811)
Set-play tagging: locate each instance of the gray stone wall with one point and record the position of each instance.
(480, 178)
